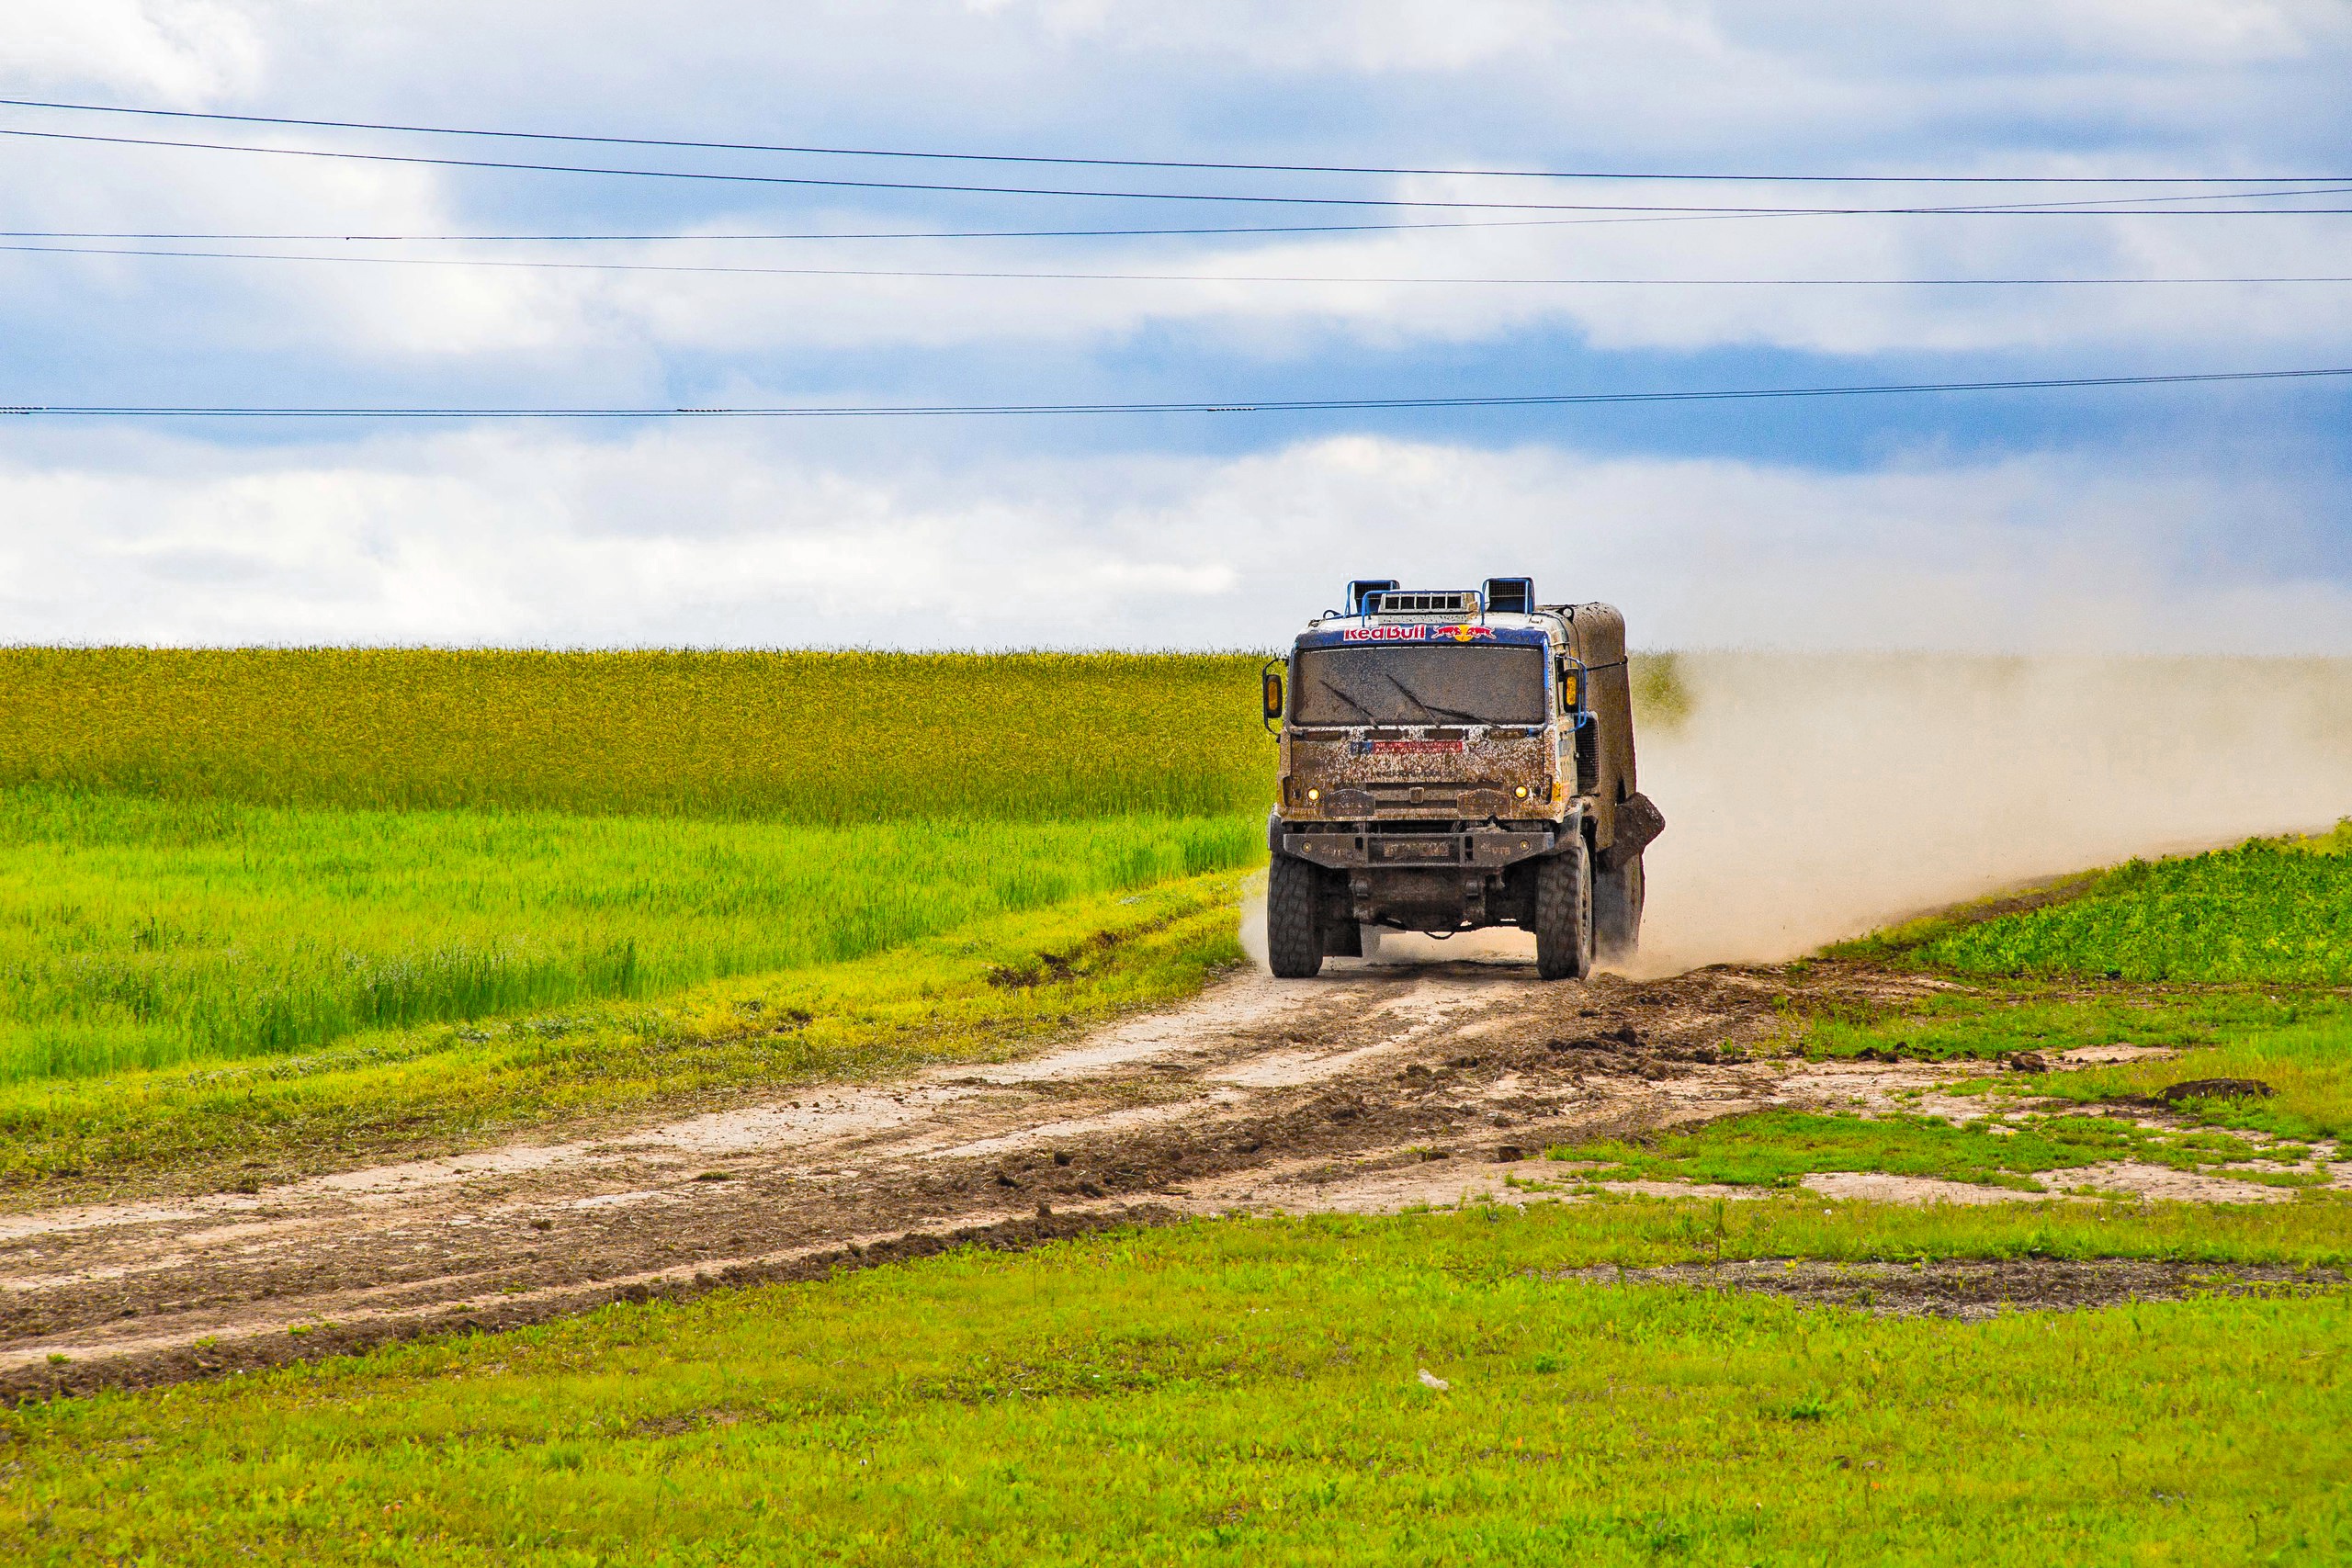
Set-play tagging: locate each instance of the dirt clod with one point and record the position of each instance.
(2216, 1089)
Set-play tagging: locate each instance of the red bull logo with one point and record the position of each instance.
(1418, 633)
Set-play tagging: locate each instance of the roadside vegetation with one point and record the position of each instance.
(2271, 909)
(293, 908)
(137, 933)
(982, 991)
(1433, 1388)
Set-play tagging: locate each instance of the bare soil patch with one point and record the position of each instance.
(1974, 1290)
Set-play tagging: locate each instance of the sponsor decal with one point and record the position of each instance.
(1417, 748)
(1418, 632)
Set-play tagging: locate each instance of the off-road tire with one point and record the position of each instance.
(1617, 912)
(1563, 932)
(1294, 934)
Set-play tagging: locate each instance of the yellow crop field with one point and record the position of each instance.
(802, 737)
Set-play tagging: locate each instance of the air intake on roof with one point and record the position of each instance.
(1510, 595)
(1363, 586)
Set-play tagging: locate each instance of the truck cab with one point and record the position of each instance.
(1453, 759)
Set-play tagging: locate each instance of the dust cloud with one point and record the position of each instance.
(1814, 796)
(1810, 797)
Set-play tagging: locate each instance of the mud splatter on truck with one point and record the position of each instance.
(1453, 761)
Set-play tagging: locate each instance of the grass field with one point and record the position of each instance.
(137, 933)
(1251, 1392)
(982, 991)
(305, 905)
(2268, 910)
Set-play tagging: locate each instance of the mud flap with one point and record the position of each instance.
(1638, 822)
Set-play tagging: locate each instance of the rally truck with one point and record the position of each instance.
(1453, 761)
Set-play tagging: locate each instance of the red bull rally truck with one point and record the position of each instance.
(1453, 760)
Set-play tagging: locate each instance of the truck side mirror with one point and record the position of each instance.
(1273, 694)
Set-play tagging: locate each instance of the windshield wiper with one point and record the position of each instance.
(1368, 715)
(1415, 698)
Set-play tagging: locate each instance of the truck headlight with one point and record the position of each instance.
(1521, 792)
(1314, 794)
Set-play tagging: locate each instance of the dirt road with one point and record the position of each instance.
(1372, 1088)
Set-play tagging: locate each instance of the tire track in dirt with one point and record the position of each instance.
(1374, 1088)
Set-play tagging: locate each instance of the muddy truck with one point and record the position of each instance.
(1453, 761)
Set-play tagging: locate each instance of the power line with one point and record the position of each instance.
(1186, 230)
(941, 187)
(1291, 405)
(1023, 276)
(1198, 165)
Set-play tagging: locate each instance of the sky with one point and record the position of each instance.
(2186, 518)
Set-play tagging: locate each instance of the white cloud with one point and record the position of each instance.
(2113, 85)
(184, 52)
(707, 536)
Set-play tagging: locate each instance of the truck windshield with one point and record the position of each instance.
(1429, 683)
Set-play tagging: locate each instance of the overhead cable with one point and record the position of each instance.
(1215, 198)
(1151, 231)
(1224, 406)
(1188, 164)
(1010, 275)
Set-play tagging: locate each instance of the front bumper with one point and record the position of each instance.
(1484, 848)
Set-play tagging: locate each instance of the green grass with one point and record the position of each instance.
(1250, 1392)
(803, 737)
(2268, 910)
(1996, 1018)
(137, 933)
(1780, 1148)
(2309, 1067)
(983, 991)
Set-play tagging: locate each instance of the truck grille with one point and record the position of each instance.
(1417, 800)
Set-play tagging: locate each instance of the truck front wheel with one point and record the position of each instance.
(1564, 933)
(1294, 935)
(1617, 912)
